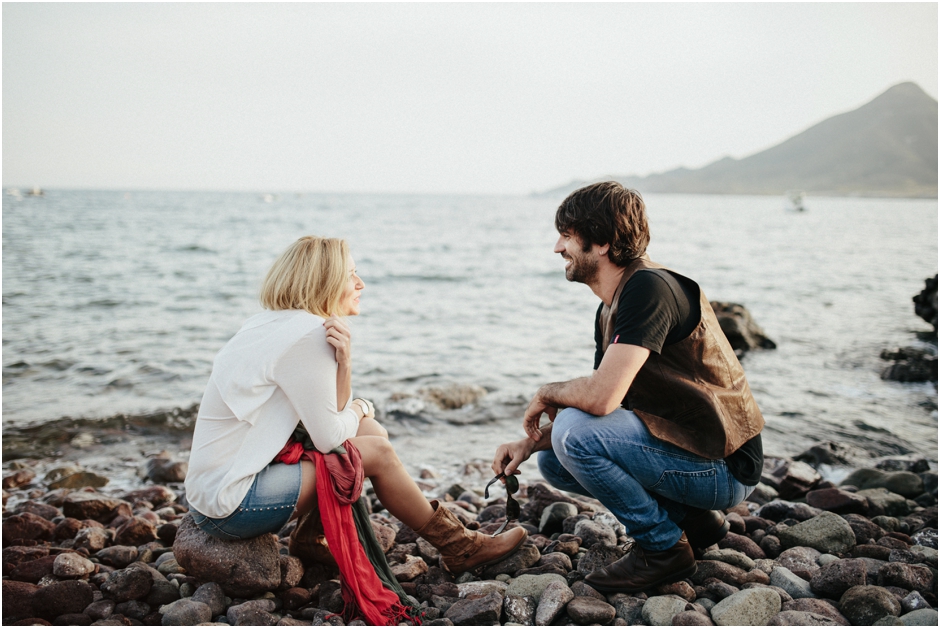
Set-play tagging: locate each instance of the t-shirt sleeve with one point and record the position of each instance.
(307, 375)
(598, 338)
(646, 313)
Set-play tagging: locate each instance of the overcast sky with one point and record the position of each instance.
(465, 98)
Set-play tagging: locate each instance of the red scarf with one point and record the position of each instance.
(363, 591)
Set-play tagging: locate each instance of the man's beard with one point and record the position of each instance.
(582, 269)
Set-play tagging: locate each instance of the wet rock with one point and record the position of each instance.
(817, 607)
(72, 565)
(156, 495)
(660, 609)
(242, 568)
(782, 509)
(679, 589)
(629, 609)
(586, 611)
(33, 570)
(592, 533)
(526, 556)
(790, 478)
(27, 526)
(910, 577)
(740, 329)
(60, 598)
(800, 618)
(864, 605)
(552, 602)
(127, 584)
(554, 515)
(136, 531)
(838, 501)
(88, 505)
(453, 396)
(833, 454)
(532, 585)
(19, 478)
(911, 364)
(795, 586)
(828, 533)
(185, 612)
(836, 578)
(802, 561)
(925, 302)
(722, 571)
(163, 469)
(598, 556)
(476, 612)
(742, 544)
(751, 607)
(18, 599)
(119, 556)
(520, 610)
(80, 479)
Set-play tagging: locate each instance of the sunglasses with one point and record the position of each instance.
(512, 506)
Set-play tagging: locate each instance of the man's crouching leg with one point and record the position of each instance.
(637, 477)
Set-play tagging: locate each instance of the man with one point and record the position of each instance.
(665, 431)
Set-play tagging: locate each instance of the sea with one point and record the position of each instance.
(116, 302)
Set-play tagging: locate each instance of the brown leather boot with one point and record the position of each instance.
(641, 569)
(704, 528)
(462, 549)
(307, 541)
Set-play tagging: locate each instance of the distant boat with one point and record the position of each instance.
(36, 191)
(795, 201)
(14, 192)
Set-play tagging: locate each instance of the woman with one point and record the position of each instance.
(292, 365)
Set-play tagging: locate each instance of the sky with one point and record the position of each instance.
(430, 98)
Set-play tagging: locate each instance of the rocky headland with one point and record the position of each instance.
(801, 551)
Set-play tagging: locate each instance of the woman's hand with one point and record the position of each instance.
(340, 338)
(365, 406)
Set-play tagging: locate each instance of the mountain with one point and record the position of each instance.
(887, 147)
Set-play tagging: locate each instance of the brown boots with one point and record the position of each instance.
(462, 549)
(641, 569)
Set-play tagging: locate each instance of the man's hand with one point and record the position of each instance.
(533, 416)
(510, 455)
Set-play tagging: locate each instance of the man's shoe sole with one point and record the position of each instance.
(674, 577)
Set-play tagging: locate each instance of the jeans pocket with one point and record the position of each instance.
(693, 488)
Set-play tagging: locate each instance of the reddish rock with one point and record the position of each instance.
(870, 550)
(681, 589)
(838, 501)
(737, 523)
(295, 598)
(27, 526)
(722, 571)
(864, 605)
(90, 505)
(801, 561)
(742, 544)
(155, 495)
(39, 509)
(68, 528)
(385, 535)
(135, 531)
(61, 598)
(838, 577)
(119, 556)
(92, 539)
(17, 554)
(800, 618)
(756, 523)
(692, 618)
(292, 572)
(819, 607)
(910, 577)
(18, 599)
(865, 531)
(19, 478)
(33, 570)
(127, 584)
(790, 478)
(242, 568)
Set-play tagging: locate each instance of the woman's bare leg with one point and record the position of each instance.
(308, 489)
(393, 486)
(371, 427)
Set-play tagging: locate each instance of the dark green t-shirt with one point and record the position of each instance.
(658, 308)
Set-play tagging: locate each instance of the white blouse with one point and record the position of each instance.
(278, 370)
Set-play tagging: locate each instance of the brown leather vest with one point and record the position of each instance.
(694, 394)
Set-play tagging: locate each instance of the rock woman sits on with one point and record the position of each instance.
(287, 367)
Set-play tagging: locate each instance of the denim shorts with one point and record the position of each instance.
(269, 504)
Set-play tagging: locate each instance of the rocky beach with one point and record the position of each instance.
(801, 551)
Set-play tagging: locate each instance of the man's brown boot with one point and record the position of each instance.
(641, 569)
(704, 528)
(462, 549)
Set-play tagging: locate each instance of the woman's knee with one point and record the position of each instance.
(378, 455)
(371, 427)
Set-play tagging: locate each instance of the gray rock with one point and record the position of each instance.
(552, 602)
(910, 577)
(242, 568)
(593, 532)
(903, 483)
(609, 520)
(864, 605)
(211, 595)
(532, 586)
(185, 612)
(884, 502)
(630, 609)
(803, 561)
(827, 533)
(920, 617)
(795, 586)
(519, 610)
(481, 588)
(750, 607)
(926, 537)
(72, 565)
(660, 609)
(482, 611)
(162, 592)
(252, 613)
(825, 559)
(127, 584)
(692, 618)
(800, 618)
(524, 557)
(913, 601)
(817, 607)
(598, 556)
(586, 611)
(554, 515)
(732, 557)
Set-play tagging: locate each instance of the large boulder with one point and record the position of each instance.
(925, 303)
(827, 533)
(243, 568)
(790, 478)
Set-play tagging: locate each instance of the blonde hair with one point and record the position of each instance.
(310, 275)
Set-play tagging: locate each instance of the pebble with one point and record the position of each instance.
(586, 611)
(751, 607)
(795, 586)
(552, 602)
(660, 609)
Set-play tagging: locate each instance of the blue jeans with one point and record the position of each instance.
(645, 482)
(267, 506)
